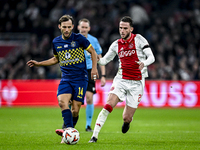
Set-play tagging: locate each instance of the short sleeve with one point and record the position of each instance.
(84, 42)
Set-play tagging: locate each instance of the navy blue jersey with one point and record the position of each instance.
(71, 56)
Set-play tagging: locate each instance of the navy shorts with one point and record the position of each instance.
(76, 88)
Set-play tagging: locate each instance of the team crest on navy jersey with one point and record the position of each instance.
(73, 44)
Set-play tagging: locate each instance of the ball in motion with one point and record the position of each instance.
(71, 136)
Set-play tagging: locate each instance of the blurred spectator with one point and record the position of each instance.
(32, 12)
(139, 16)
(173, 33)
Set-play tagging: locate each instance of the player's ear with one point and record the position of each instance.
(78, 27)
(132, 29)
(59, 27)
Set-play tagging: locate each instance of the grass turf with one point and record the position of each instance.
(151, 128)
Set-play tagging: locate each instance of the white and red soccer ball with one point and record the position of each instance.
(71, 136)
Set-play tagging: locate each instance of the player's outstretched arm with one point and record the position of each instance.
(94, 72)
(52, 61)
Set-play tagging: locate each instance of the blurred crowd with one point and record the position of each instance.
(172, 29)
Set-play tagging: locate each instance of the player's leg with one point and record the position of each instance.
(89, 99)
(111, 103)
(63, 100)
(76, 105)
(64, 95)
(133, 99)
(79, 90)
(127, 117)
(70, 104)
(89, 110)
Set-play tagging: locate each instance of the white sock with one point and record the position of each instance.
(100, 122)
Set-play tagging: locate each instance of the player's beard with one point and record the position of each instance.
(66, 37)
(125, 38)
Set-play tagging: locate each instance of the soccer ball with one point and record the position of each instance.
(71, 136)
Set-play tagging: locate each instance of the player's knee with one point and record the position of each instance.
(89, 99)
(62, 104)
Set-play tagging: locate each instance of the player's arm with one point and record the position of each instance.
(150, 58)
(144, 45)
(103, 73)
(52, 61)
(94, 63)
(109, 55)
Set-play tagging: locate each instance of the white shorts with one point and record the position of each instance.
(129, 90)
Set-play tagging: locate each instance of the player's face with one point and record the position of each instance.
(66, 29)
(84, 28)
(125, 30)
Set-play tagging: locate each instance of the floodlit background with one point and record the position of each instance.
(172, 28)
(168, 115)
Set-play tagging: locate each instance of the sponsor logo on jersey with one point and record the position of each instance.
(73, 44)
(126, 53)
(59, 47)
(67, 55)
(66, 45)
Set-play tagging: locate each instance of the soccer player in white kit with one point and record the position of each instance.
(134, 55)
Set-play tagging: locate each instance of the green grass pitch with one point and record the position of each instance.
(151, 128)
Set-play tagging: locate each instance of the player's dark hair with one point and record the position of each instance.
(84, 20)
(66, 18)
(127, 19)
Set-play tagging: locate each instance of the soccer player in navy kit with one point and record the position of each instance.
(84, 28)
(68, 50)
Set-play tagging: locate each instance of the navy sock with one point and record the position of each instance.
(75, 119)
(67, 117)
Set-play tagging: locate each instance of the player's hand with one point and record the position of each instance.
(98, 58)
(32, 63)
(141, 64)
(94, 74)
(103, 81)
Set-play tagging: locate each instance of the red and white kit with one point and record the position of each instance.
(128, 84)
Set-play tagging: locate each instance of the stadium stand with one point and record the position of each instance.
(171, 27)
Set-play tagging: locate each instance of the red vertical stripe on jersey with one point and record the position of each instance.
(128, 57)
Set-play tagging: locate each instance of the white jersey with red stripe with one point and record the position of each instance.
(129, 52)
